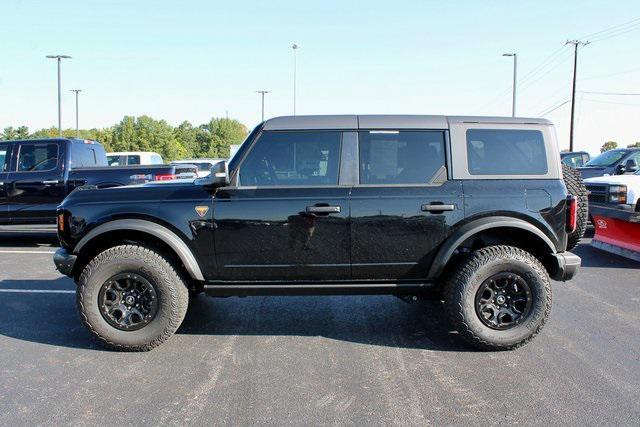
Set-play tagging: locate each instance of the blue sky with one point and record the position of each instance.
(193, 60)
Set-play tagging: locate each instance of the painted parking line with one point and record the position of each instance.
(38, 291)
(27, 252)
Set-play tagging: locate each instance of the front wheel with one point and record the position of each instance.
(499, 298)
(131, 298)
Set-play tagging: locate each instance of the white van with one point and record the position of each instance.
(126, 158)
(204, 165)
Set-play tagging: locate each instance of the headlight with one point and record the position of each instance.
(618, 194)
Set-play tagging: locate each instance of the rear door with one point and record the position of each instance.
(35, 186)
(404, 205)
(5, 159)
(287, 216)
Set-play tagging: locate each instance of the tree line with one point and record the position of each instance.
(610, 145)
(212, 139)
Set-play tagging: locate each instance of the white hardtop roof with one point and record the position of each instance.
(387, 121)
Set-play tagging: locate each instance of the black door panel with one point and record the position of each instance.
(394, 236)
(282, 234)
(36, 185)
(5, 159)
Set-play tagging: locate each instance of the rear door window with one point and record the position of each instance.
(4, 157)
(82, 156)
(293, 158)
(133, 160)
(37, 157)
(506, 152)
(400, 157)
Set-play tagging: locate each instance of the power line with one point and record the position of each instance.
(552, 109)
(613, 28)
(611, 93)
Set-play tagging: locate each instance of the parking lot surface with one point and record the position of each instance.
(317, 360)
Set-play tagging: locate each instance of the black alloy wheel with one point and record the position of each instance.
(503, 301)
(128, 301)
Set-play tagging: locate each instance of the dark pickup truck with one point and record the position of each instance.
(36, 175)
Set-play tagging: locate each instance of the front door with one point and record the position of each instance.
(286, 217)
(404, 205)
(35, 186)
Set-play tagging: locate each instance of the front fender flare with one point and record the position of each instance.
(167, 236)
(464, 232)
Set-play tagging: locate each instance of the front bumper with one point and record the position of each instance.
(566, 266)
(64, 261)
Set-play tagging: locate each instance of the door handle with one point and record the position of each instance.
(323, 209)
(437, 207)
(50, 182)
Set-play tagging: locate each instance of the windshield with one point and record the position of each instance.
(608, 158)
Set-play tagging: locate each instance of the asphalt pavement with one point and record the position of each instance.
(317, 360)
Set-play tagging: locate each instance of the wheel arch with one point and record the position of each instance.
(488, 230)
(157, 233)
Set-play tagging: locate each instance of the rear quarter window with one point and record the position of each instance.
(506, 152)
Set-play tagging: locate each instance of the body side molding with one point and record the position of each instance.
(463, 233)
(157, 230)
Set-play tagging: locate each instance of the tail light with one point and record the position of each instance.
(165, 177)
(572, 214)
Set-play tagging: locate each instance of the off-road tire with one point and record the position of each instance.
(461, 289)
(575, 187)
(173, 296)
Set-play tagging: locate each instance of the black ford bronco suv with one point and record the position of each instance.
(471, 209)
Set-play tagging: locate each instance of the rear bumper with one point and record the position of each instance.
(64, 261)
(567, 265)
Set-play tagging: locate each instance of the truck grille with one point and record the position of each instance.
(597, 193)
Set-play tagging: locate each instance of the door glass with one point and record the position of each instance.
(400, 157)
(293, 158)
(37, 157)
(4, 160)
(133, 160)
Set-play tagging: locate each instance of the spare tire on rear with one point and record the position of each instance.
(575, 187)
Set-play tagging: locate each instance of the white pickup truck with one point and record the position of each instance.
(614, 209)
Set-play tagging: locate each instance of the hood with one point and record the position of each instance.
(152, 192)
(629, 180)
(589, 172)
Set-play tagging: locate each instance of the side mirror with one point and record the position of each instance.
(620, 169)
(219, 176)
(631, 165)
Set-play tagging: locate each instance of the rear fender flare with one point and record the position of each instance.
(468, 230)
(169, 237)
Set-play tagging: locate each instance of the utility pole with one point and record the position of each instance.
(77, 91)
(575, 44)
(262, 92)
(515, 77)
(59, 58)
(294, 47)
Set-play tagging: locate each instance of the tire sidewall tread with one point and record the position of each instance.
(462, 287)
(172, 294)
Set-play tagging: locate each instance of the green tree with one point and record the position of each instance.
(9, 133)
(609, 145)
(634, 145)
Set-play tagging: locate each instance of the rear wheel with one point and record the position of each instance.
(575, 186)
(131, 298)
(499, 298)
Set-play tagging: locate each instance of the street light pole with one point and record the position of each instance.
(59, 58)
(515, 79)
(77, 91)
(294, 47)
(262, 92)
